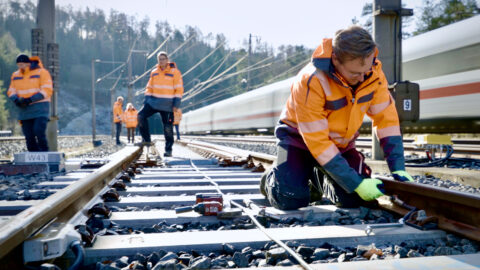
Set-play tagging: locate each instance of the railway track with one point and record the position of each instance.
(140, 222)
(462, 147)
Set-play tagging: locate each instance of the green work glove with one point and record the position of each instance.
(402, 176)
(369, 189)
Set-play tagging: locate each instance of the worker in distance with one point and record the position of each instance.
(319, 125)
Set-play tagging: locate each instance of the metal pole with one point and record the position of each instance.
(386, 25)
(46, 22)
(93, 101)
(130, 86)
(248, 59)
(112, 100)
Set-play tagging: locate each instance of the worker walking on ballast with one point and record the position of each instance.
(320, 122)
(163, 94)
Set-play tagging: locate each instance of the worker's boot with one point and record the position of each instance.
(263, 181)
(315, 185)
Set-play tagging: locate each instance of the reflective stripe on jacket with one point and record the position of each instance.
(117, 112)
(177, 116)
(165, 88)
(130, 118)
(35, 83)
(328, 113)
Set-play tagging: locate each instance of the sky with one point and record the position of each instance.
(276, 22)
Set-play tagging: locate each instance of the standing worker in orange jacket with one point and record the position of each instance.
(177, 117)
(320, 122)
(31, 88)
(118, 117)
(130, 117)
(163, 95)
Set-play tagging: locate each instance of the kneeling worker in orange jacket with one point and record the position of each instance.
(31, 88)
(319, 125)
(177, 117)
(130, 119)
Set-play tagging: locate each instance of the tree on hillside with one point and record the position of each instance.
(3, 111)
(438, 13)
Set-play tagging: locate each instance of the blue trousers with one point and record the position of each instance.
(287, 184)
(118, 127)
(177, 131)
(167, 119)
(35, 134)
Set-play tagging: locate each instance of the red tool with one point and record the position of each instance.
(209, 197)
(208, 208)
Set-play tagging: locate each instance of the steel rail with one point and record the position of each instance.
(461, 146)
(63, 204)
(456, 211)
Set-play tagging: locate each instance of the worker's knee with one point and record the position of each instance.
(285, 196)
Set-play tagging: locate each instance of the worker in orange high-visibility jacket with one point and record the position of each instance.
(320, 122)
(177, 117)
(118, 118)
(130, 118)
(163, 94)
(30, 89)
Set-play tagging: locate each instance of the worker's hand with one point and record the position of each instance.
(18, 102)
(369, 189)
(27, 101)
(175, 109)
(402, 176)
(22, 102)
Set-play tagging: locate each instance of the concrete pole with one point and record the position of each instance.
(49, 57)
(386, 33)
(93, 102)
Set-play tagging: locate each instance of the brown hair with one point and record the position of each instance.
(352, 43)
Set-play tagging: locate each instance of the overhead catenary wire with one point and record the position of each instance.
(229, 89)
(110, 73)
(219, 79)
(203, 59)
(159, 47)
(191, 92)
(203, 72)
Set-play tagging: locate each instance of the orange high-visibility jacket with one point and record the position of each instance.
(327, 113)
(36, 84)
(117, 112)
(130, 118)
(177, 116)
(165, 88)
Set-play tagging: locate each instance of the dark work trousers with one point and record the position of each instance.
(35, 134)
(118, 127)
(177, 131)
(287, 183)
(167, 119)
(131, 134)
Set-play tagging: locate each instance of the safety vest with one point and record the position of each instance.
(35, 80)
(117, 112)
(130, 118)
(164, 89)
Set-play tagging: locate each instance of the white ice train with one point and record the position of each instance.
(445, 63)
